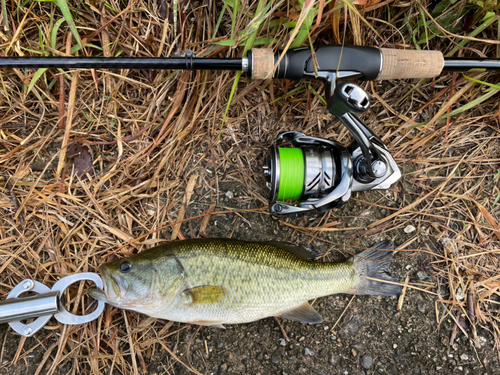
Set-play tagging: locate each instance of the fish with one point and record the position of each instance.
(212, 282)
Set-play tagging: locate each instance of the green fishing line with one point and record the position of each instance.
(291, 173)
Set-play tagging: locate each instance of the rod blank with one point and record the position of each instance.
(466, 64)
(184, 63)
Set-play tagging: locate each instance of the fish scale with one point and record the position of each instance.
(261, 279)
(222, 281)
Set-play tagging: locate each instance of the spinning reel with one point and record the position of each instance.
(321, 174)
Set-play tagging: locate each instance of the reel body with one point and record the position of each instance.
(321, 174)
(325, 171)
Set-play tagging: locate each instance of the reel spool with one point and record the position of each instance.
(322, 174)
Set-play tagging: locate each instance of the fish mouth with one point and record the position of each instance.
(111, 291)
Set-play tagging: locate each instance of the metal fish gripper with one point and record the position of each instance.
(47, 303)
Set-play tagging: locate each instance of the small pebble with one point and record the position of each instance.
(332, 359)
(421, 307)
(282, 342)
(229, 194)
(409, 229)
(464, 357)
(222, 369)
(481, 341)
(367, 361)
(422, 275)
(309, 352)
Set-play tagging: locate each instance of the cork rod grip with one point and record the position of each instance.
(262, 63)
(400, 64)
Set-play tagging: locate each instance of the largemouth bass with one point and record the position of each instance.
(223, 281)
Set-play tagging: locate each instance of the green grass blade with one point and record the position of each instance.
(489, 93)
(235, 13)
(322, 100)
(482, 82)
(248, 45)
(37, 75)
(291, 92)
(63, 5)
(488, 20)
(414, 87)
(219, 20)
(258, 42)
(40, 39)
(53, 33)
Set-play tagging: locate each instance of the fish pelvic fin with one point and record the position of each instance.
(375, 264)
(305, 313)
(208, 323)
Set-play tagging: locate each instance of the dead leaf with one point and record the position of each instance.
(82, 161)
(163, 9)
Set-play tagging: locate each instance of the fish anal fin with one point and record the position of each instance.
(208, 323)
(305, 313)
(204, 295)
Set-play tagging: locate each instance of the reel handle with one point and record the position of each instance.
(349, 99)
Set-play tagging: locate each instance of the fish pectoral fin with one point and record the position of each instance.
(305, 313)
(208, 323)
(204, 295)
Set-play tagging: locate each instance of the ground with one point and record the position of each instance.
(98, 165)
(359, 335)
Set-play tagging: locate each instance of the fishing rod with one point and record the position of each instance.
(316, 173)
(330, 63)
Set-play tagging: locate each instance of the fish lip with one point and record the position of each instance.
(104, 277)
(108, 280)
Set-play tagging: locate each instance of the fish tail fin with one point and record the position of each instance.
(375, 264)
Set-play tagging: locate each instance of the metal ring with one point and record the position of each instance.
(64, 316)
(28, 285)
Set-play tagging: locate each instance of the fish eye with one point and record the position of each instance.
(125, 267)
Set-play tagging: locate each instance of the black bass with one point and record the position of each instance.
(223, 281)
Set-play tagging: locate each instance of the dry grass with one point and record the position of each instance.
(153, 140)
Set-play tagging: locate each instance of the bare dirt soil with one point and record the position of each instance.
(359, 335)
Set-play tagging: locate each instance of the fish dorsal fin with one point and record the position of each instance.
(305, 313)
(298, 251)
(204, 295)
